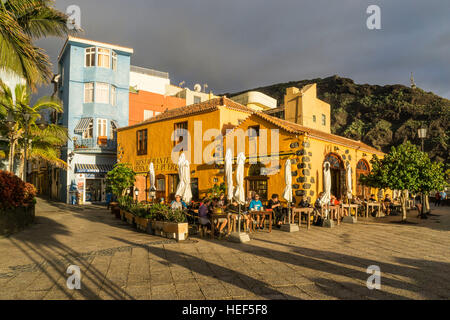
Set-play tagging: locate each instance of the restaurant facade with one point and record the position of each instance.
(212, 127)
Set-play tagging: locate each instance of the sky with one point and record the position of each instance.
(235, 45)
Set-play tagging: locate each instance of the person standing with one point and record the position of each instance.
(443, 196)
(437, 200)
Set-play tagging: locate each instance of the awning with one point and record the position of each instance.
(82, 125)
(114, 122)
(93, 168)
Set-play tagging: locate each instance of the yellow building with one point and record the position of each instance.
(266, 141)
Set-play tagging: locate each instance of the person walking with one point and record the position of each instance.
(437, 197)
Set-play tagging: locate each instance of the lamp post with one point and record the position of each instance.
(422, 133)
(136, 193)
(152, 193)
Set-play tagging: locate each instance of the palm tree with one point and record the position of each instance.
(21, 22)
(45, 143)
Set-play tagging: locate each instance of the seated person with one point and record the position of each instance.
(304, 203)
(178, 204)
(248, 199)
(372, 198)
(216, 206)
(256, 205)
(318, 208)
(204, 213)
(222, 201)
(387, 205)
(233, 209)
(278, 212)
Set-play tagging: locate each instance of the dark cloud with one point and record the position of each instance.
(235, 45)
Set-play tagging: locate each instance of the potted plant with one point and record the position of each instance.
(118, 180)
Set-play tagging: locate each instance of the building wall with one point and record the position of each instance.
(256, 100)
(144, 100)
(302, 105)
(148, 83)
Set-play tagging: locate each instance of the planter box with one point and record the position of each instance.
(142, 223)
(16, 219)
(171, 230)
(129, 217)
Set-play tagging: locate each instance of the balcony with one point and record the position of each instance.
(99, 145)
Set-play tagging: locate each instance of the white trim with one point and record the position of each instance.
(93, 43)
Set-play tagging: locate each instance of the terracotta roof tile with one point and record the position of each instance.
(192, 109)
(295, 128)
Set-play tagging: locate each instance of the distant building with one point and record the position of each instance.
(256, 101)
(94, 86)
(191, 96)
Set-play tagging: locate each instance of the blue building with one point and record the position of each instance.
(93, 84)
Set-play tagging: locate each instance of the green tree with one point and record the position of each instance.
(405, 168)
(120, 179)
(45, 143)
(22, 22)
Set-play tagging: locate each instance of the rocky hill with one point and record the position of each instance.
(381, 116)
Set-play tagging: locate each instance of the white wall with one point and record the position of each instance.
(148, 83)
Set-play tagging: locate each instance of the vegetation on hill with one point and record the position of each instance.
(381, 116)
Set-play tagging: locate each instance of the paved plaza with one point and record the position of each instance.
(117, 262)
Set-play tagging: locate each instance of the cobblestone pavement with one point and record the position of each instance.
(117, 262)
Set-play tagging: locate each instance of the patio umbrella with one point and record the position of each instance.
(151, 171)
(187, 193)
(229, 173)
(349, 182)
(287, 194)
(326, 184)
(240, 193)
(181, 185)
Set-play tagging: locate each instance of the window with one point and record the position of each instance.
(253, 131)
(113, 95)
(102, 92)
(114, 60)
(180, 129)
(101, 127)
(141, 138)
(324, 120)
(103, 57)
(89, 132)
(197, 99)
(88, 92)
(314, 118)
(113, 130)
(148, 114)
(89, 54)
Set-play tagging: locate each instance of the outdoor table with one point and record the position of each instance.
(349, 206)
(305, 211)
(372, 204)
(335, 213)
(216, 216)
(263, 213)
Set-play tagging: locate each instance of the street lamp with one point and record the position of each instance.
(152, 193)
(136, 192)
(422, 132)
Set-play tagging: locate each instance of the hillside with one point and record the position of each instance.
(381, 116)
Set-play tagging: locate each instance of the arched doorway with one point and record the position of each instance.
(362, 167)
(337, 171)
(256, 181)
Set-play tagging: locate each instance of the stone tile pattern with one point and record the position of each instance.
(118, 262)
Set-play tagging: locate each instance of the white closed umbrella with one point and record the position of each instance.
(326, 185)
(349, 182)
(229, 174)
(151, 170)
(287, 194)
(187, 194)
(240, 193)
(181, 185)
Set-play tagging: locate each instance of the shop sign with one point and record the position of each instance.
(160, 164)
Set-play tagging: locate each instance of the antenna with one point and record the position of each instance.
(205, 86)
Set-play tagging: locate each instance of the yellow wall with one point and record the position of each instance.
(302, 105)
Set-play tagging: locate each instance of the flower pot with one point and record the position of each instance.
(142, 223)
(122, 215)
(113, 205)
(129, 217)
(174, 230)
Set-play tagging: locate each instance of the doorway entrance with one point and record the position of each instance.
(94, 190)
(337, 172)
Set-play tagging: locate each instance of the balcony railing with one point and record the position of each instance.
(95, 145)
